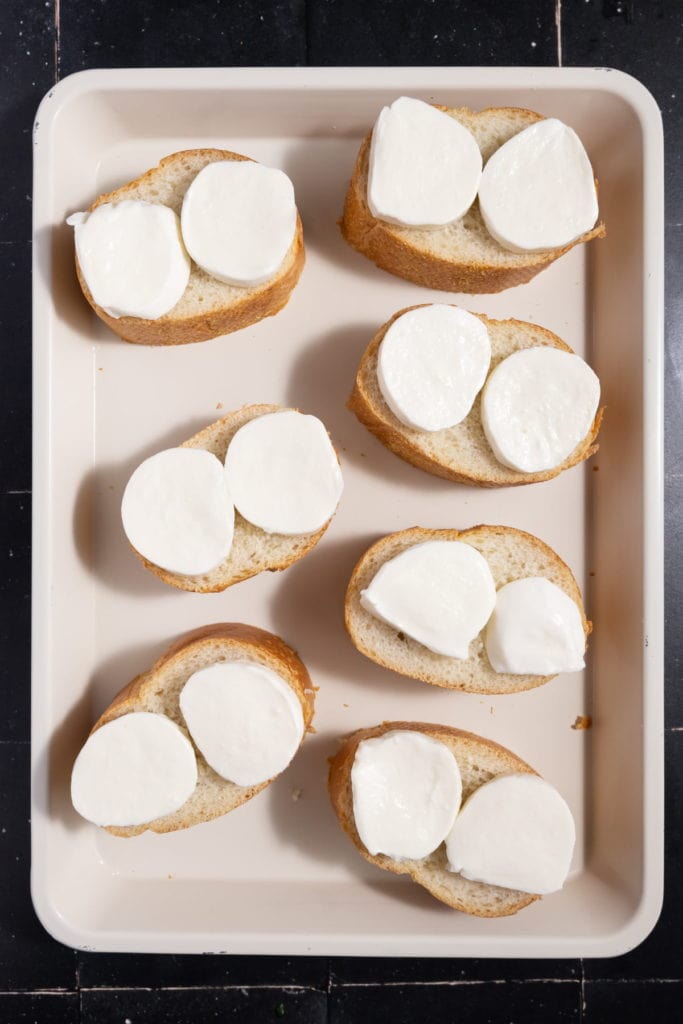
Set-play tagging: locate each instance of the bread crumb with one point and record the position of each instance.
(101, 369)
(170, 878)
(296, 794)
(596, 469)
(582, 722)
(219, 405)
(491, 710)
(591, 574)
(345, 705)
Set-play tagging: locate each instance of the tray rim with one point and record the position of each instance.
(599, 79)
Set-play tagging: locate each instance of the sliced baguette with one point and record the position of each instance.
(208, 307)
(511, 555)
(253, 550)
(158, 691)
(460, 453)
(479, 760)
(459, 257)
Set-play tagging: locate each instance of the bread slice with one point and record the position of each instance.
(479, 760)
(208, 307)
(511, 555)
(158, 691)
(458, 257)
(253, 550)
(460, 453)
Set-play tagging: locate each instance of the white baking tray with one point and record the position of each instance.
(278, 875)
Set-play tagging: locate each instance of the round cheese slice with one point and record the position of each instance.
(424, 166)
(536, 629)
(283, 473)
(406, 793)
(441, 593)
(431, 364)
(177, 511)
(537, 406)
(515, 831)
(132, 258)
(239, 220)
(537, 191)
(132, 770)
(246, 720)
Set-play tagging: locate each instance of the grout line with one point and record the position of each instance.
(199, 988)
(58, 53)
(39, 992)
(307, 33)
(454, 984)
(558, 30)
(582, 1004)
(633, 981)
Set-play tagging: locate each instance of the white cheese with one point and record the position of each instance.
(406, 793)
(431, 364)
(424, 166)
(441, 593)
(132, 770)
(515, 831)
(177, 511)
(537, 405)
(536, 629)
(537, 191)
(132, 258)
(246, 720)
(239, 220)
(283, 473)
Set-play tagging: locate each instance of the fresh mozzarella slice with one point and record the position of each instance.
(537, 191)
(177, 511)
(536, 629)
(441, 593)
(246, 720)
(424, 167)
(239, 220)
(537, 405)
(132, 258)
(432, 363)
(132, 770)
(406, 793)
(283, 473)
(515, 831)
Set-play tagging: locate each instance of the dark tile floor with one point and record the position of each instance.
(42, 40)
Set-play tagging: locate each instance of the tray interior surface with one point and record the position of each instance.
(278, 875)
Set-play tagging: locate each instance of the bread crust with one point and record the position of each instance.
(341, 796)
(474, 674)
(396, 249)
(367, 404)
(235, 568)
(222, 638)
(255, 304)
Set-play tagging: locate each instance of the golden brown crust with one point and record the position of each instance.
(259, 303)
(297, 547)
(375, 414)
(382, 243)
(394, 543)
(341, 796)
(224, 637)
